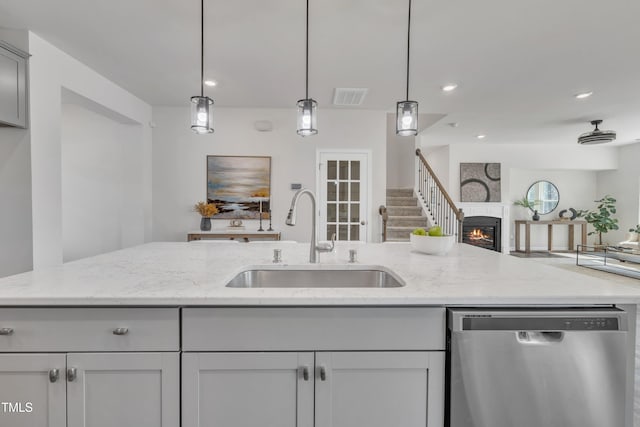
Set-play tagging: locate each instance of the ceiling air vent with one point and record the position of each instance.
(597, 136)
(349, 96)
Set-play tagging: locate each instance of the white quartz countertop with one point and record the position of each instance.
(176, 274)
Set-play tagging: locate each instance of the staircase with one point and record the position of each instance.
(404, 215)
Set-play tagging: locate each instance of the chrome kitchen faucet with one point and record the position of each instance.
(315, 248)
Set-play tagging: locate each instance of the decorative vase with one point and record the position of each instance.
(205, 224)
(536, 217)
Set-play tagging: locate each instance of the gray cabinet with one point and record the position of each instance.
(245, 366)
(380, 389)
(32, 390)
(123, 389)
(112, 367)
(13, 86)
(247, 389)
(306, 389)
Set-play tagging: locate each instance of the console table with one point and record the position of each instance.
(227, 234)
(527, 232)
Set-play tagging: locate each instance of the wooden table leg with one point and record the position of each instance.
(571, 236)
(549, 236)
(527, 238)
(517, 237)
(584, 234)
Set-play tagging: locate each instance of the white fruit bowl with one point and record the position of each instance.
(432, 245)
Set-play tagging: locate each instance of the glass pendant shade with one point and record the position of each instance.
(201, 114)
(407, 118)
(307, 117)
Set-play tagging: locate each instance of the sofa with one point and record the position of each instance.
(631, 242)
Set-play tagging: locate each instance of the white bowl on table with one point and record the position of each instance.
(432, 245)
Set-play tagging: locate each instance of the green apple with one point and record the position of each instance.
(435, 231)
(419, 232)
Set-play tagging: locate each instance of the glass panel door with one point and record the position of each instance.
(343, 196)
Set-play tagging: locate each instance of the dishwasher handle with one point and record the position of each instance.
(535, 337)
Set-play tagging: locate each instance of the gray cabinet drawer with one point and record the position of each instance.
(89, 329)
(313, 328)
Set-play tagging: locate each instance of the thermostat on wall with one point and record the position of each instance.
(296, 186)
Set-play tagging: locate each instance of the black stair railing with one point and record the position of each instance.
(436, 201)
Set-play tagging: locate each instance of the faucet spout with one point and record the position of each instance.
(291, 220)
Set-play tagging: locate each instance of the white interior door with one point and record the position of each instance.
(343, 188)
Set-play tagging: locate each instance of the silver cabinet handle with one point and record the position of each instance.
(304, 371)
(120, 331)
(54, 374)
(72, 374)
(323, 373)
(6, 331)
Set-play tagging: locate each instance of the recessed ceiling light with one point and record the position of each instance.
(210, 83)
(449, 87)
(481, 136)
(583, 95)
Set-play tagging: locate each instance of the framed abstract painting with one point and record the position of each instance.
(240, 186)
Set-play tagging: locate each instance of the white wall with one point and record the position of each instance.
(179, 161)
(400, 157)
(51, 70)
(16, 252)
(102, 187)
(624, 185)
(16, 246)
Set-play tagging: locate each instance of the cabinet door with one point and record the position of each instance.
(123, 389)
(247, 389)
(32, 394)
(13, 109)
(380, 389)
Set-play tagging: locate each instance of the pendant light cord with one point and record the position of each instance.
(202, 48)
(408, 46)
(307, 56)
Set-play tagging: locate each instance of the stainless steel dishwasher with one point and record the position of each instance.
(537, 368)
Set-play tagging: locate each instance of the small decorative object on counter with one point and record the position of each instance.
(535, 217)
(235, 223)
(206, 211)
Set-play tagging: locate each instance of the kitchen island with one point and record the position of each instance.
(101, 336)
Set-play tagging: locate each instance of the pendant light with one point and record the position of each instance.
(407, 111)
(307, 108)
(201, 106)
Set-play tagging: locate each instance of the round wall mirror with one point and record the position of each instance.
(545, 195)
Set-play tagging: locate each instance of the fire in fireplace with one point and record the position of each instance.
(482, 231)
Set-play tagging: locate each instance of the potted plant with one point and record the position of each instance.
(529, 204)
(206, 211)
(602, 218)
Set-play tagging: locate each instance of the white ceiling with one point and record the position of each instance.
(518, 64)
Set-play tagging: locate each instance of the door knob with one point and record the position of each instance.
(363, 222)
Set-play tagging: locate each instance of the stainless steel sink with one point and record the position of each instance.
(315, 278)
